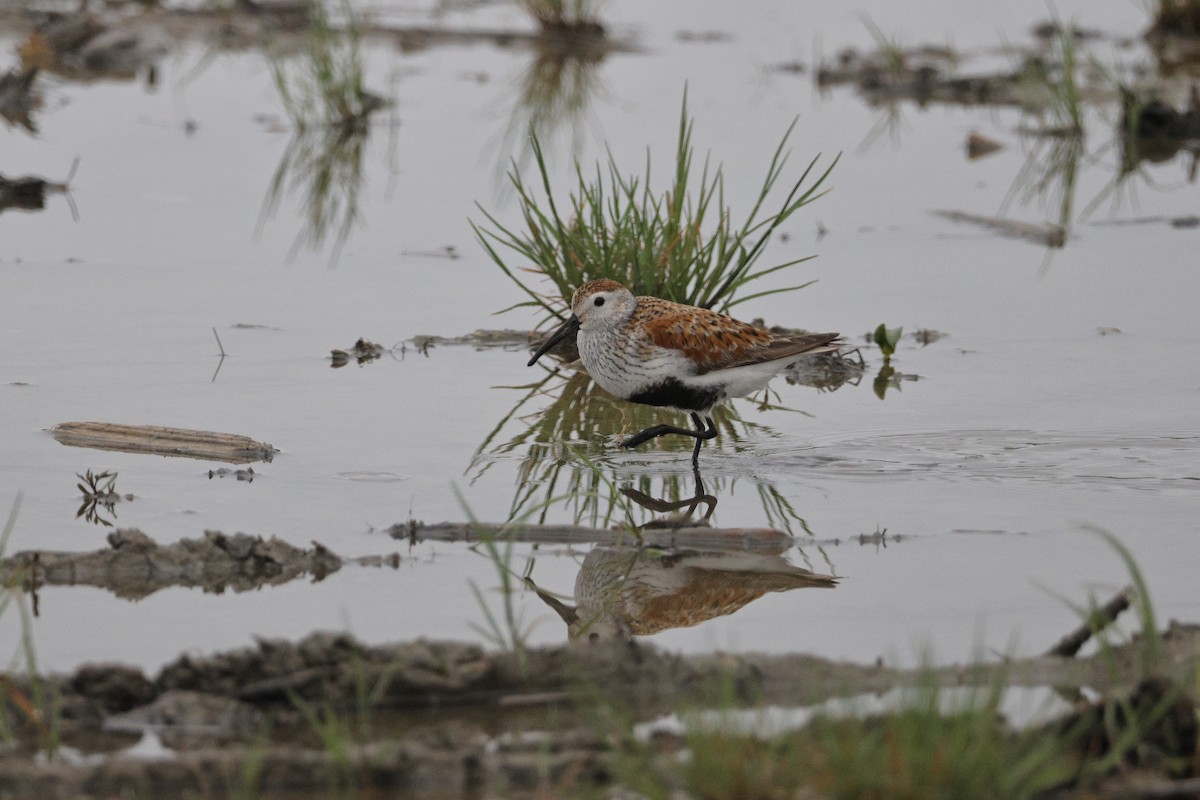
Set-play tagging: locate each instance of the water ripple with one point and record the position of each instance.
(1141, 462)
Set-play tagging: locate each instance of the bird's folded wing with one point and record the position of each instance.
(706, 337)
(713, 341)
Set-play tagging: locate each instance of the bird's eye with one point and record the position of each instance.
(598, 301)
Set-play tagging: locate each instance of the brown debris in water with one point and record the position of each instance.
(922, 74)
(27, 193)
(362, 352)
(17, 103)
(927, 336)
(979, 146)
(246, 475)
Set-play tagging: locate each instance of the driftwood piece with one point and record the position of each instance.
(1097, 621)
(694, 537)
(156, 440)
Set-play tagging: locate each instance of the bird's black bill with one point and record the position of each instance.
(567, 328)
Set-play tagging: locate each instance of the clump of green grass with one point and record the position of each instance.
(1153, 724)
(916, 752)
(934, 744)
(325, 168)
(681, 244)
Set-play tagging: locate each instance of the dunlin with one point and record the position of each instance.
(653, 351)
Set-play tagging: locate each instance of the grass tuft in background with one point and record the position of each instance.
(681, 243)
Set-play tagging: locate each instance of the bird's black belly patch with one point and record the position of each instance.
(674, 393)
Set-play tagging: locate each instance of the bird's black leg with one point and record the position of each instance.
(701, 496)
(654, 433)
(700, 434)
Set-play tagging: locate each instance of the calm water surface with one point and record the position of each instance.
(1026, 426)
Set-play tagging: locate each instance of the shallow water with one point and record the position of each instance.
(1021, 706)
(1026, 426)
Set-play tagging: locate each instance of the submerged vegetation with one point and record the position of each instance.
(681, 243)
(553, 101)
(327, 87)
(1052, 83)
(325, 98)
(1061, 85)
(564, 17)
(562, 465)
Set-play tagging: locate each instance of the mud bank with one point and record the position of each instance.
(436, 719)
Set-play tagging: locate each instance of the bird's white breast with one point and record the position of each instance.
(623, 364)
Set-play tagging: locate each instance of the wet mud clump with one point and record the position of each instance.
(217, 710)
(362, 352)
(135, 566)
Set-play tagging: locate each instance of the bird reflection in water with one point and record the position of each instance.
(672, 507)
(621, 592)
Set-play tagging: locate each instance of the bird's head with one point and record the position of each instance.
(601, 304)
(597, 305)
